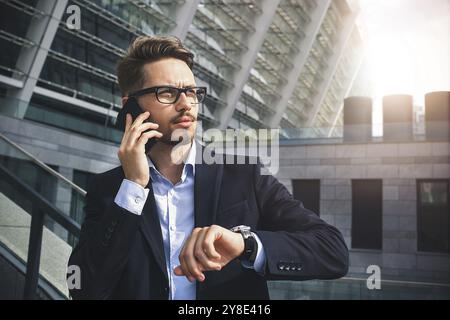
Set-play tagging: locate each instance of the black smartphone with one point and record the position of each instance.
(132, 107)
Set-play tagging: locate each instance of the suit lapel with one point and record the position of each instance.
(151, 229)
(208, 180)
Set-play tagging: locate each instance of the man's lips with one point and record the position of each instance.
(184, 120)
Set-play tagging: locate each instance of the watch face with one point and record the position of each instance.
(240, 228)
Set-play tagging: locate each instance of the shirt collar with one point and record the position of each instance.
(190, 161)
(192, 155)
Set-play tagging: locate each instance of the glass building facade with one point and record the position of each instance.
(278, 64)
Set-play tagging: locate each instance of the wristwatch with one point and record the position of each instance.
(250, 243)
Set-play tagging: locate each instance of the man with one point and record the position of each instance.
(159, 226)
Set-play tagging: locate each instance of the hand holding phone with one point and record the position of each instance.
(132, 150)
(132, 107)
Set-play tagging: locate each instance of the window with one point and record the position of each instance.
(367, 204)
(82, 179)
(308, 192)
(433, 227)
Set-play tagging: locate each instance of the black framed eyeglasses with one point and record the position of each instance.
(170, 95)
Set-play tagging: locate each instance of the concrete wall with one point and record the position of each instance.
(59, 147)
(398, 165)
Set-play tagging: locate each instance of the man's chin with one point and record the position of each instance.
(169, 142)
(187, 135)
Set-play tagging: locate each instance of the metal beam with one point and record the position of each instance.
(11, 82)
(185, 15)
(41, 32)
(346, 93)
(74, 101)
(247, 60)
(300, 59)
(339, 50)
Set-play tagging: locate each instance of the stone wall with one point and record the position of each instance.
(399, 165)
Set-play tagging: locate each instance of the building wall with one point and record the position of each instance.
(399, 165)
(58, 147)
(244, 55)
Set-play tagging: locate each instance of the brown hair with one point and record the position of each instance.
(145, 49)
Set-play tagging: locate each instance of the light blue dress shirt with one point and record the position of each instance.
(175, 205)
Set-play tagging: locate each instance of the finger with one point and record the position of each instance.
(208, 244)
(199, 253)
(148, 125)
(189, 259)
(178, 271)
(140, 119)
(183, 264)
(136, 132)
(148, 135)
(128, 121)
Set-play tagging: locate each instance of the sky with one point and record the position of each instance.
(407, 46)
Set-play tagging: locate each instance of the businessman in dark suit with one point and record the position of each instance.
(165, 225)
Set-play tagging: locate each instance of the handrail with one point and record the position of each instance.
(41, 208)
(49, 208)
(21, 266)
(43, 165)
(399, 282)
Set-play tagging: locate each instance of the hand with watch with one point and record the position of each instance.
(213, 247)
(250, 243)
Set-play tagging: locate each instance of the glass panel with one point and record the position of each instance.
(47, 185)
(433, 216)
(60, 119)
(355, 289)
(17, 208)
(55, 253)
(433, 193)
(78, 201)
(15, 223)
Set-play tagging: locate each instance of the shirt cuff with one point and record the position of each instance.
(260, 259)
(131, 196)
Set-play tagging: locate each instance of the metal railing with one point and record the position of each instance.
(43, 165)
(41, 207)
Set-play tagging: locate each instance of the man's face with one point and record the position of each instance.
(171, 72)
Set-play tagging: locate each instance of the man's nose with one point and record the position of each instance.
(183, 103)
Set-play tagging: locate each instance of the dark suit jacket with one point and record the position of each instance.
(121, 255)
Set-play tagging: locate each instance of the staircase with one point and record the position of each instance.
(36, 231)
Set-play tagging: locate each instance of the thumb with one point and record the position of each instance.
(178, 271)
